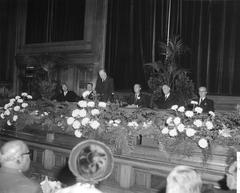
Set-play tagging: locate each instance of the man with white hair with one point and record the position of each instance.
(15, 159)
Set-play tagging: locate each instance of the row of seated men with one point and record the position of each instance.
(15, 159)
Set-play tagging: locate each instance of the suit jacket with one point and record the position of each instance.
(13, 181)
(70, 97)
(163, 103)
(207, 104)
(105, 89)
(141, 101)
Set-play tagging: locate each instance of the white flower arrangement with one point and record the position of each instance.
(174, 107)
(181, 109)
(194, 102)
(203, 143)
(199, 110)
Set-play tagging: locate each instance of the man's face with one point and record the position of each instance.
(25, 159)
(137, 88)
(89, 87)
(102, 74)
(64, 87)
(202, 92)
(166, 89)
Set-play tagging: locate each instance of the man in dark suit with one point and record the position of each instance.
(167, 100)
(137, 98)
(15, 159)
(104, 86)
(203, 102)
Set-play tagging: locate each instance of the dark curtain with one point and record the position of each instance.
(7, 39)
(209, 28)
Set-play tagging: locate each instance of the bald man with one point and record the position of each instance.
(15, 159)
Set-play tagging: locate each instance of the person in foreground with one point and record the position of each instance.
(137, 98)
(66, 95)
(183, 179)
(104, 86)
(15, 160)
(203, 102)
(167, 100)
(90, 161)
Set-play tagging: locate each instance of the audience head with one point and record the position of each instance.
(102, 74)
(184, 179)
(137, 88)
(90, 86)
(202, 91)
(64, 87)
(15, 155)
(166, 89)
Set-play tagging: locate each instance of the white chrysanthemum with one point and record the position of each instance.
(102, 104)
(203, 143)
(111, 122)
(85, 93)
(94, 124)
(76, 124)
(78, 133)
(15, 117)
(75, 112)
(189, 114)
(90, 104)
(174, 107)
(20, 101)
(82, 104)
(199, 110)
(194, 102)
(7, 112)
(6, 106)
(173, 132)
(16, 108)
(211, 113)
(24, 94)
(169, 120)
(70, 120)
(209, 125)
(190, 132)
(165, 131)
(24, 105)
(85, 121)
(12, 100)
(82, 113)
(118, 121)
(9, 123)
(181, 127)
(198, 123)
(133, 124)
(29, 96)
(177, 120)
(2, 116)
(45, 113)
(181, 109)
(17, 97)
(115, 124)
(95, 112)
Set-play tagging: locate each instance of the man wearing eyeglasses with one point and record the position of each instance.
(15, 159)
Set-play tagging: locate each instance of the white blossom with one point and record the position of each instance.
(20, 101)
(90, 104)
(177, 120)
(17, 97)
(70, 120)
(12, 100)
(85, 93)
(209, 125)
(115, 124)
(181, 127)
(118, 121)
(203, 143)
(45, 113)
(29, 96)
(6, 106)
(189, 114)
(24, 105)
(102, 104)
(78, 133)
(111, 122)
(75, 112)
(194, 102)
(169, 120)
(165, 131)
(9, 123)
(7, 112)
(211, 113)
(95, 112)
(85, 121)
(24, 94)
(82, 113)
(15, 117)
(82, 104)
(94, 124)
(174, 107)
(133, 124)
(190, 132)
(198, 123)
(2, 116)
(199, 110)
(181, 109)
(16, 108)
(173, 132)
(76, 124)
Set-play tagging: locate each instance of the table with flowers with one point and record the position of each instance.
(145, 142)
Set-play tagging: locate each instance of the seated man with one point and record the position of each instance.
(91, 93)
(137, 98)
(15, 159)
(66, 95)
(203, 102)
(167, 100)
